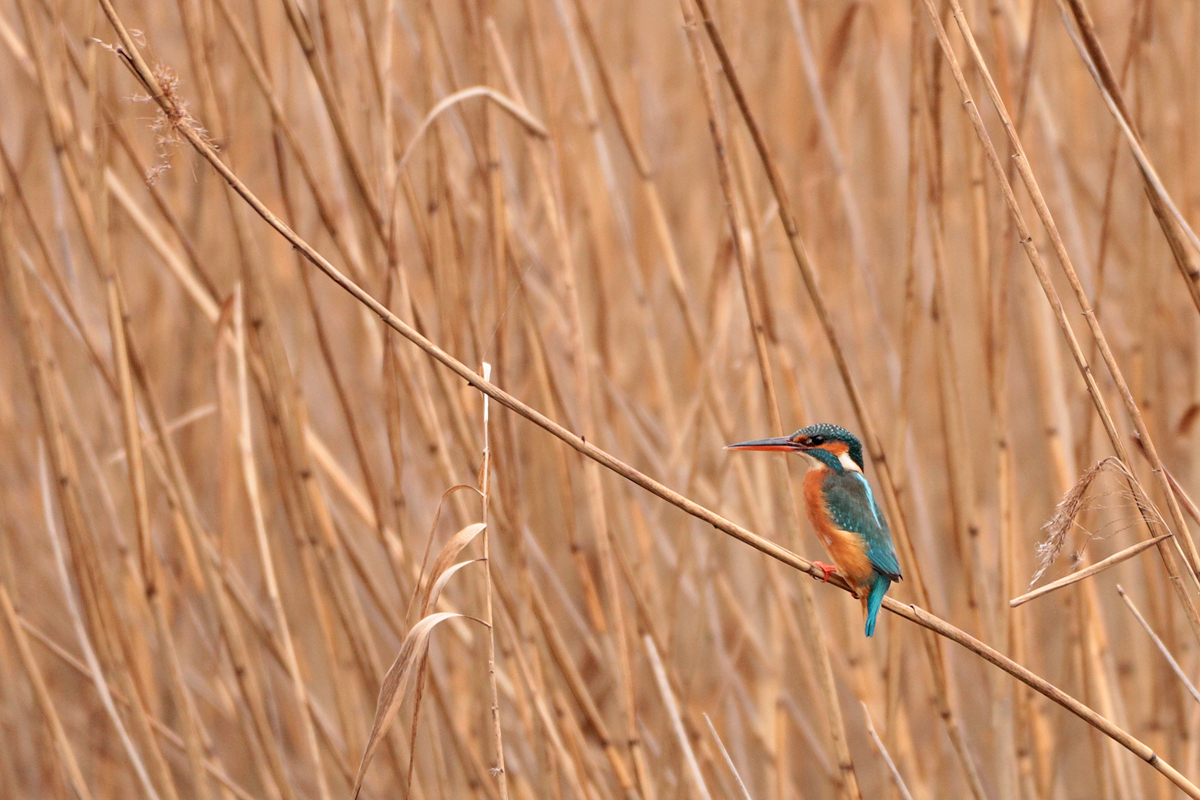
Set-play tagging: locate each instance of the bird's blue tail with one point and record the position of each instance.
(875, 600)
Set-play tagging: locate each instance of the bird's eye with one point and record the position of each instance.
(816, 441)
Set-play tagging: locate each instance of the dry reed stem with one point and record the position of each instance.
(470, 213)
(1094, 59)
(1087, 572)
(112, 640)
(1179, 526)
(175, 740)
(910, 612)
(552, 193)
(250, 476)
(486, 481)
(62, 744)
(668, 698)
(847, 781)
(870, 435)
(728, 760)
(1048, 287)
(887, 758)
(1162, 648)
(89, 652)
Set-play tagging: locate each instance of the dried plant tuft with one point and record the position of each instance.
(1078, 500)
(169, 123)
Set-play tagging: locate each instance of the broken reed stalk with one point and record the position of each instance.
(133, 59)
(1087, 572)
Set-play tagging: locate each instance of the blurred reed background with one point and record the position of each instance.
(228, 490)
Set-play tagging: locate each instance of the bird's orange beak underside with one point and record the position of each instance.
(779, 443)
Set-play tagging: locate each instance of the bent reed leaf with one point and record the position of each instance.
(456, 545)
(391, 692)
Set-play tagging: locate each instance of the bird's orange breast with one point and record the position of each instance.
(846, 548)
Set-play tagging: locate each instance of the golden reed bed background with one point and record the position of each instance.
(535, 184)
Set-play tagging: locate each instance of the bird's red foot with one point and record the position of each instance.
(825, 568)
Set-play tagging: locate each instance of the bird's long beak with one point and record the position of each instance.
(782, 443)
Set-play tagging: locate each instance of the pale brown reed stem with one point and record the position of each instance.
(1094, 636)
(66, 753)
(1046, 361)
(1019, 717)
(99, 254)
(960, 490)
(637, 152)
(846, 780)
(333, 107)
(619, 220)
(1087, 572)
(728, 761)
(348, 249)
(709, 391)
(348, 701)
(908, 327)
(837, 162)
(551, 191)
(497, 215)
(133, 59)
(870, 435)
(668, 697)
(111, 643)
(1164, 209)
(250, 476)
(1162, 648)
(1035, 259)
(169, 736)
(887, 758)
(303, 502)
(500, 771)
(552, 197)
(17, 293)
(101, 683)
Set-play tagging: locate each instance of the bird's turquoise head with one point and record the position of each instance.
(832, 445)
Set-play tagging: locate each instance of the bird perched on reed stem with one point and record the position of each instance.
(842, 510)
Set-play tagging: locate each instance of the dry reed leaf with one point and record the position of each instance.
(436, 591)
(437, 515)
(442, 563)
(391, 692)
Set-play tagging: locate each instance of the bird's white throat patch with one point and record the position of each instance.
(844, 459)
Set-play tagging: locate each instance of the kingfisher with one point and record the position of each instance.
(842, 510)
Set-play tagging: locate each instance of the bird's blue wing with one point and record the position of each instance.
(852, 507)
